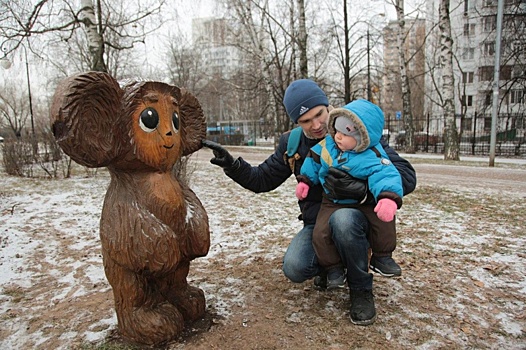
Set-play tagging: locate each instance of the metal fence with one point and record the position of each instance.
(475, 133)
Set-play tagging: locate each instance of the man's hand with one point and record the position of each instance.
(341, 185)
(221, 156)
(386, 209)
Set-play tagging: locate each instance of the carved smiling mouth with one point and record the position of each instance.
(169, 147)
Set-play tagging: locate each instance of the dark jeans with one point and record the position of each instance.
(349, 228)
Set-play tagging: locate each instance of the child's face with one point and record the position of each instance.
(344, 142)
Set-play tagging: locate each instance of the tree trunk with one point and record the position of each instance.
(347, 63)
(271, 65)
(451, 145)
(406, 91)
(302, 40)
(95, 41)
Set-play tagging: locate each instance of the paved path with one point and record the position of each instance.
(520, 161)
(492, 180)
(499, 181)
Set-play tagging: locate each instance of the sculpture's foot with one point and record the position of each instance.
(191, 302)
(151, 326)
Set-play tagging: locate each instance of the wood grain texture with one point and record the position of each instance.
(152, 224)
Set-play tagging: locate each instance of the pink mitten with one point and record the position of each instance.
(302, 189)
(385, 209)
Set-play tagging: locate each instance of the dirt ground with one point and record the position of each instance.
(461, 248)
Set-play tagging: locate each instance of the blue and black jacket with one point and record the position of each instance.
(367, 161)
(275, 170)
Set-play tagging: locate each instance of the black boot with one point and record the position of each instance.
(320, 281)
(385, 266)
(336, 278)
(363, 311)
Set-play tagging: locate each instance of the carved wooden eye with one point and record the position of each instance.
(149, 119)
(175, 121)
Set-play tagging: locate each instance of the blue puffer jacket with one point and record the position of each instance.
(367, 161)
(274, 171)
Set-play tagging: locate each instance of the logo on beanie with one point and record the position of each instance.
(303, 110)
(350, 128)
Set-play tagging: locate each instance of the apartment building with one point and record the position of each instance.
(473, 25)
(392, 85)
(213, 40)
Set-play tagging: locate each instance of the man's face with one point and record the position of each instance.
(315, 122)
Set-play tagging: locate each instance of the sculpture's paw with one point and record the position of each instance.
(191, 303)
(152, 326)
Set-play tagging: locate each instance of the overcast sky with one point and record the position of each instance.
(155, 44)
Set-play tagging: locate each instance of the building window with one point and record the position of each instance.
(505, 72)
(488, 48)
(518, 46)
(467, 77)
(487, 123)
(517, 96)
(488, 97)
(469, 53)
(466, 123)
(518, 72)
(489, 23)
(486, 73)
(469, 29)
(467, 101)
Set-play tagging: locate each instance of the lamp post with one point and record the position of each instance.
(4, 62)
(29, 93)
(369, 94)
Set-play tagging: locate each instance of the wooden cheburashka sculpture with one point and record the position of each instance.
(152, 224)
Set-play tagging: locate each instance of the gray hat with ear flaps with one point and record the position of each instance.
(345, 125)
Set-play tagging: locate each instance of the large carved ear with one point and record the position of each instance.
(193, 122)
(85, 118)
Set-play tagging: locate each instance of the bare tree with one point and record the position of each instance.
(14, 111)
(269, 45)
(184, 64)
(451, 143)
(302, 40)
(512, 80)
(73, 39)
(109, 25)
(356, 37)
(407, 110)
(346, 61)
(276, 39)
(94, 34)
(345, 48)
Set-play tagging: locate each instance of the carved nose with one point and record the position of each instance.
(169, 133)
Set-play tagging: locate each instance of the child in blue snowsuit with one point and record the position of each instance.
(353, 145)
